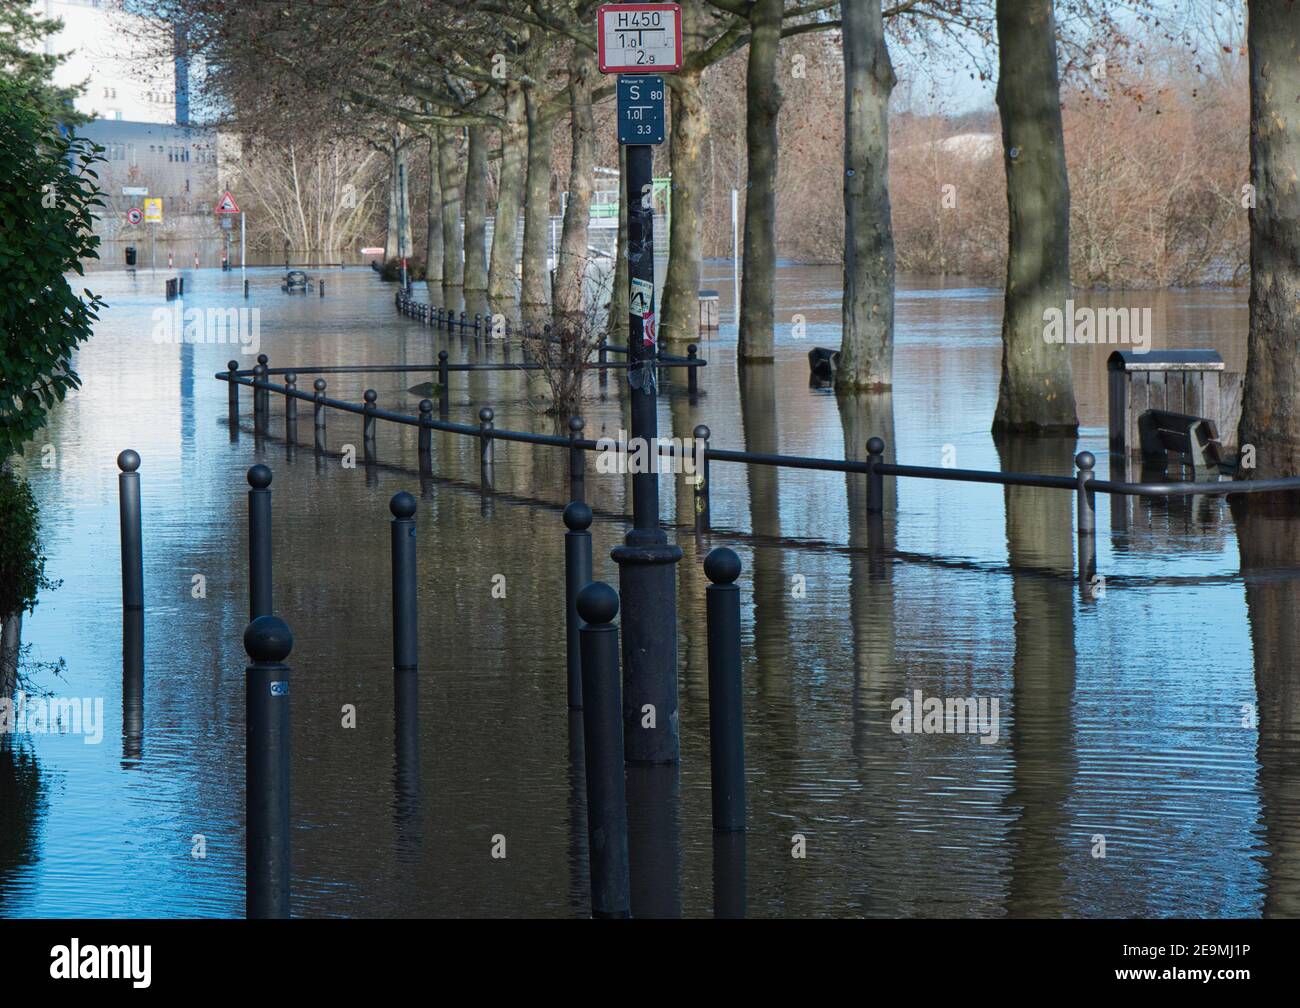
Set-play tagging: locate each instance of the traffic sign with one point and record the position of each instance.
(634, 38)
(226, 204)
(153, 210)
(134, 216)
(640, 109)
(373, 250)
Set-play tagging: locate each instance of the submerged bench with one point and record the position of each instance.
(1195, 439)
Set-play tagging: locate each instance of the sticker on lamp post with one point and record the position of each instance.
(636, 38)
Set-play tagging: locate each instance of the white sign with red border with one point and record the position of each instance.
(226, 204)
(639, 38)
(134, 216)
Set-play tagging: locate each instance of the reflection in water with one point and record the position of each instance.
(1040, 547)
(132, 686)
(1269, 536)
(22, 799)
(729, 874)
(654, 847)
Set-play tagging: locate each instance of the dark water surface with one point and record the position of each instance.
(1162, 716)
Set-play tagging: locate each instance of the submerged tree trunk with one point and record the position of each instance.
(1270, 414)
(616, 327)
(867, 343)
(763, 105)
(475, 211)
(11, 628)
(571, 263)
(433, 228)
(1036, 393)
(503, 285)
(533, 299)
(451, 168)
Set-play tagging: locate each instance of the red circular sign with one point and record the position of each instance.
(134, 216)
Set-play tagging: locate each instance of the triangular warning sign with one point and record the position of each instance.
(227, 204)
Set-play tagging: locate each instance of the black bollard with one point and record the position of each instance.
(875, 482)
(368, 424)
(245, 289)
(406, 640)
(478, 324)
(318, 412)
(232, 393)
(268, 643)
(602, 729)
(487, 475)
(692, 371)
(128, 495)
(702, 516)
(259, 542)
(726, 720)
(443, 392)
(322, 288)
(1087, 505)
(577, 461)
(261, 395)
(426, 438)
(577, 574)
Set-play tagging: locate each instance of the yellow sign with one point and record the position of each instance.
(153, 210)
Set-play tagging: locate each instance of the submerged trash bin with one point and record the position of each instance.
(130, 255)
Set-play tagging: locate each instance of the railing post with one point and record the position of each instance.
(426, 438)
(321, 287)
(702, 482)
(261, 395)
(368, 424)
(318, 412)
(267, 641)
(602, 730)
(692, 371)
(259, 542)
(406, 639)
(232, 393)
(444, 393)
(486, 474)
(577, 461)
(726, 719)
(478, 324)
(245, 288)
(577, 574)
(291, 407)
(875, 481)
(462, 323)
(128, 495)
(1086, 501)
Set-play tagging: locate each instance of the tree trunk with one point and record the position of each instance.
(571, 264)
(390, 225)
(1270, 414)
(762, 106)
(533, 299)
(433, 228)
(616, 327)
(11, 628)
(503, 285)
(867, 343)
(1036, 392)
(475, 212)
(451, 169)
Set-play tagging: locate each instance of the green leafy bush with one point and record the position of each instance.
(22, 565)
(48, 192)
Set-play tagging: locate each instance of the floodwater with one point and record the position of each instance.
(1157, 723)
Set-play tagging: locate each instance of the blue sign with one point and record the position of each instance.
(640, 109)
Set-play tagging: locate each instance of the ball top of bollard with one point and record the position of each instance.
(722, 566)
(1085, 460)
(576, 424)
(259, 477)
(442, 355)
(319, 384)
(129, 460)
(402, 505)
(577, 516)
(875, 446)
(702, 432)
(597, 603)
(486, 414)
(691, 349)
(426, 405)
(290, 377)
(232, 365)
(370, 395)
(263, 359)
(267, 639)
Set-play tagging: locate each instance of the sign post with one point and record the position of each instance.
(634, 38)
(153, 214)
(226, 208)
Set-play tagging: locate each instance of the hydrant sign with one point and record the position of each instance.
(639, 38)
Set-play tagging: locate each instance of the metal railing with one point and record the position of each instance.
(1083, 484)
